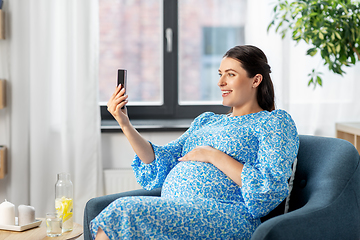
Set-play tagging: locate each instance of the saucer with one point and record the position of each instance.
(22, 227)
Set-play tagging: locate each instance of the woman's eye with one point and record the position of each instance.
(231, 74)
(220, 74)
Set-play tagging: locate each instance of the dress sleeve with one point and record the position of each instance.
(153, 175)
(264, 184)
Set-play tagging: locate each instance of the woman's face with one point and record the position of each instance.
(238, 90)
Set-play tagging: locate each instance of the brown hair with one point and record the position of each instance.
(254, 61)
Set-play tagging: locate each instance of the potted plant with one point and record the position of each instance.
(331, 27)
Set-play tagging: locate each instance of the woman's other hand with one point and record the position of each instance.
(201, 154)
(228, 165)
(115, 106)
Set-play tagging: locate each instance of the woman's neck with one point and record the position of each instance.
(245, 110)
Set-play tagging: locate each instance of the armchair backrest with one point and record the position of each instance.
(324, 167)
(325, 199)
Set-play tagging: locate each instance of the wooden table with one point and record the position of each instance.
(39, 233)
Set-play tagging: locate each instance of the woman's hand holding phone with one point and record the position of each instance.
(116, 106)
(117, 102)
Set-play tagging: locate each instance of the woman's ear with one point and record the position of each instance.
(257, 79)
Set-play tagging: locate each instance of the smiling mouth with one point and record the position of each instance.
(225, 93)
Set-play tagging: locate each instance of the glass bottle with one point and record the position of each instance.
(64, 200)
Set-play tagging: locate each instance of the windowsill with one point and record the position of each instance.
(149, 125)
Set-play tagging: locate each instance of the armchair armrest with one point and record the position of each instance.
(96, 205)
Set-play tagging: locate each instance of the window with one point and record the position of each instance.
(172, 51)
(215, 42)
(131, 38)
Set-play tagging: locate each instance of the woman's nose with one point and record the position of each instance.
(221, 82)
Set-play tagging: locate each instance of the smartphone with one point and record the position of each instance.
(122, 79)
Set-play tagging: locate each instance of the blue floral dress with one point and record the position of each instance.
(198, 201)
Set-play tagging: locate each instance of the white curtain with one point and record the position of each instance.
(53, 101)
(315, 111)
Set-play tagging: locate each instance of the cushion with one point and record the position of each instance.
(291, 183)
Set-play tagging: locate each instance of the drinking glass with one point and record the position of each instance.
(53, 224)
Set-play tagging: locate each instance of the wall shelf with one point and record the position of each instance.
(2, 24)
(2, 162)
(2, 94)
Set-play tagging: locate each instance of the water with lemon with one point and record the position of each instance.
(64, 201)
(64, 208)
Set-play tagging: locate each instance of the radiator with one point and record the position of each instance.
(119, 180)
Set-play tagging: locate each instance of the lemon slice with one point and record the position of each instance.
(64, 207)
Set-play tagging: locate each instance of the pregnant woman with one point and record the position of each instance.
(218, 178)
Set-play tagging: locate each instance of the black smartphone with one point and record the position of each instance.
(122, 79)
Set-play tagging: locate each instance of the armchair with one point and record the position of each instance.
(324, 202)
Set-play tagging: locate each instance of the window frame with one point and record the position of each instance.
(171, 109)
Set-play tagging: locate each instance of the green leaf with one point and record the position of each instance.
(337, 35)
(311, 51)
(338, 48)
(270, 25)
(310, 81)
(353, 59)
(319, 80)
(280, 24)
(327, 59)
(332, 36)
(328, 48)
(275, 8)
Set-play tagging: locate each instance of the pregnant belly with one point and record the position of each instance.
(200, 180)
